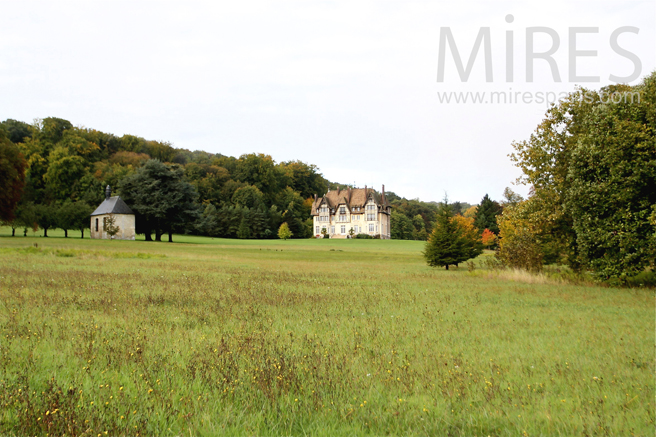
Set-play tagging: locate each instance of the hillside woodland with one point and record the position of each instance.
(590, 165)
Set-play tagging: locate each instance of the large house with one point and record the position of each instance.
(360, 209)
(113, 206)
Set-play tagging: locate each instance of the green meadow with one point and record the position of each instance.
(209, 337)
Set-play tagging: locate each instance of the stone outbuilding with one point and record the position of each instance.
(113, 206)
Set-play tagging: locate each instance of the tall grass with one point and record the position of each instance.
(212, 337)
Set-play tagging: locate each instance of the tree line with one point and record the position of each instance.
(53, 175)
(591, 166)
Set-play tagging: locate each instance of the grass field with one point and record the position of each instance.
(308, 337)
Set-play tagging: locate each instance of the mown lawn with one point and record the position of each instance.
(231, 337)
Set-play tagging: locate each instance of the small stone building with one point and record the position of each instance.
(123, 218)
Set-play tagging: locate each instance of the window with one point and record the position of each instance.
(104, 223)
(371, 217)
(355, 229)
(371, 207)
(371, 227)
(318, 231)
(96, 225)
(343, 229)
(342, 210)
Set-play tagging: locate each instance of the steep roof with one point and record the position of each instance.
(113, 205)
(354, 197)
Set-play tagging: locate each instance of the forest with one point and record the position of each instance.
(590, 165)
(56, 174)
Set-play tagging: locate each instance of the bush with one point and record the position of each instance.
(364, 237)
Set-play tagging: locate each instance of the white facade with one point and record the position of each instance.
(125, 223)
(352, 212)
(123, 216)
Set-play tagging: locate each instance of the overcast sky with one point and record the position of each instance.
(350, 86)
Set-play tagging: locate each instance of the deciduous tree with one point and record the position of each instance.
(488, 238)
(12, 176)
(592, 170)
(46, 216)
(161, 197)
(283, 232)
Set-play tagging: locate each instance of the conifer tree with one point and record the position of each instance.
(453, 240)
(486, 215)
(444, 247)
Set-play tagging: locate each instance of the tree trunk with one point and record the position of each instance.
(13, 232)
(82, 231)
(25, 232)
(65, 233)
(158, 235)
(45, 232)
(447, 266)
(170, 236)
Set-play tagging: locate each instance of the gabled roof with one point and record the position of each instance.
(113, 205)
(353, 198)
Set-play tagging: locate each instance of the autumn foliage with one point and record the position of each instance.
(488, 238)
(453, 240)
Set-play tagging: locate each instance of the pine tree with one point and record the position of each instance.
(486, 215)
(444, 246)
(453, 240)
(244, 230)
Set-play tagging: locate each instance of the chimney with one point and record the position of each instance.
(349, 195)
(108, 192)
(315, 197)
(383, 193)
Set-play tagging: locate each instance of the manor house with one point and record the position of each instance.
(361, 210)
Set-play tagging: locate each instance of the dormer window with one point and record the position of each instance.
(342, 210)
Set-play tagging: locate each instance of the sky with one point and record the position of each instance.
(350, 86)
